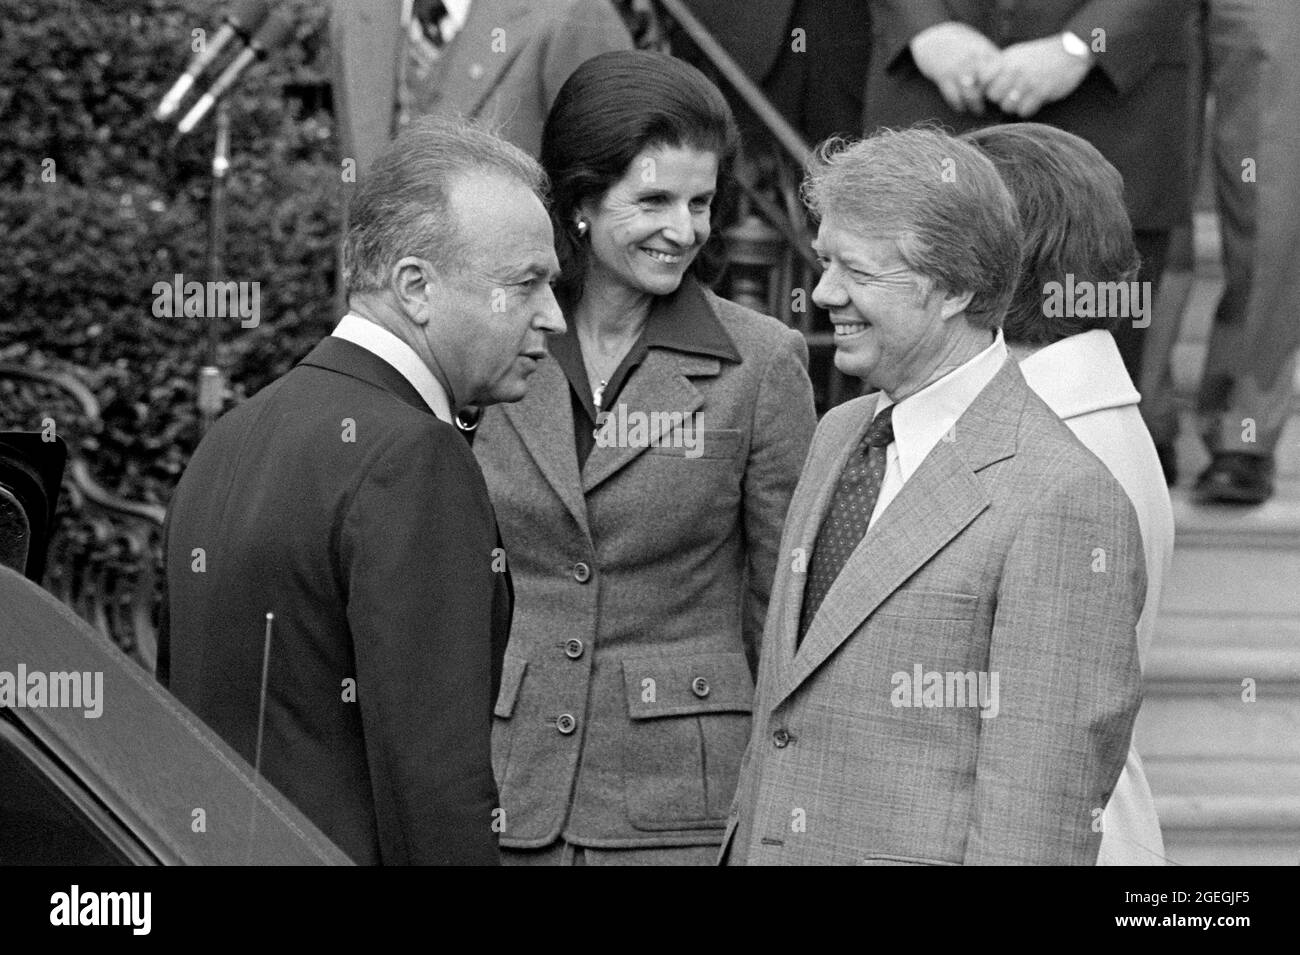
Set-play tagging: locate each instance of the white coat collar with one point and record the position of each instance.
(1080, 374)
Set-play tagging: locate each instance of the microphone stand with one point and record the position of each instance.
(212, 381)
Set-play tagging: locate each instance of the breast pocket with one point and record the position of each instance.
(698, 444)
(929, 605)
(936, 630)
(689, 725)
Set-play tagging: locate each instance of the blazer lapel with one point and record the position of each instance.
(659, 385)
(939, 500)
(473, 65)
(544, 422)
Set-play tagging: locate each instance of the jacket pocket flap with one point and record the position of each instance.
(929, 605)
(701, 683)
(512, 675)
(689, 442)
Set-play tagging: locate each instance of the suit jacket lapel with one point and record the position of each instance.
(470, 68)
(939, 500)
(659, 385)
(544, 422)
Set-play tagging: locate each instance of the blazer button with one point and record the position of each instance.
(565, 723)
(700, 687)
(573, 648)
(781, 738)
(581, 572)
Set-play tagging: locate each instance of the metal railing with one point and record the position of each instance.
(771, 265)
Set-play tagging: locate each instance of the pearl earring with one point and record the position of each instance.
(582, 228)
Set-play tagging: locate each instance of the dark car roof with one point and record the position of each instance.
(147, 757)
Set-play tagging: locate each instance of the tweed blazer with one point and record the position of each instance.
(641, 586)
(1010, 552)
(506, 65)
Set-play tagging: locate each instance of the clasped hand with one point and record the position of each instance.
(969, 69)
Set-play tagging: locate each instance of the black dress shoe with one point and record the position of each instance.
(1168, 462)
(1235, 477)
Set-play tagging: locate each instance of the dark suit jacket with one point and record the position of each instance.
(1133, 106)
(506, 65)
(336, 500)
(816, 79)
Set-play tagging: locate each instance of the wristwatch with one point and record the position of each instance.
(1076, 47)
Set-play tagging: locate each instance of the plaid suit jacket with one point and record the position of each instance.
(967, 691)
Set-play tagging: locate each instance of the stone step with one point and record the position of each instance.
(1227, 811)
(1225, 769)
(1192, 459)
(1224, 763)
(1205, 653)
(1239, 563)
(1248, 536)
(1219, 725)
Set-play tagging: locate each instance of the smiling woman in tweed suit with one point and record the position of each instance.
(640, 487)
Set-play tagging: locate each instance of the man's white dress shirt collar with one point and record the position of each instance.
(922, 420)
(382, 343)
(450, 25)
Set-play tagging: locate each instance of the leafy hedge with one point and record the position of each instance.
(127, 207)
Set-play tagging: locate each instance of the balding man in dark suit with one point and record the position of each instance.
(341, 500)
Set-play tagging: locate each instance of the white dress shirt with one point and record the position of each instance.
(448, 26)
(924, 419)
(382, 343)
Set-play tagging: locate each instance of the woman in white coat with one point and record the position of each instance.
(1077, 282)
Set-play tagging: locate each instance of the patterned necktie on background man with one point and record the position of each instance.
(429, 14)
(848, 515)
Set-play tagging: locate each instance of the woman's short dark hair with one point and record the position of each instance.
(1071, 204)
(614, 106)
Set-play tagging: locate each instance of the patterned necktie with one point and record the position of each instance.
(849, 514)
(424, 45)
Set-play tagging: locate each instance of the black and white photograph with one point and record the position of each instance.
(650, 433)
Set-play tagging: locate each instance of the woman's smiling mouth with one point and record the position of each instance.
(667, 258)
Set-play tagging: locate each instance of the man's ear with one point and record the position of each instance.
(953, 303)
(409, 282)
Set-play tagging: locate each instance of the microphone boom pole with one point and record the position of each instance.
(273, 33)
(245, 17)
